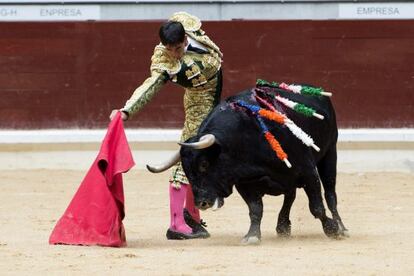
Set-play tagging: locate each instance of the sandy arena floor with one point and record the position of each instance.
(377, 208)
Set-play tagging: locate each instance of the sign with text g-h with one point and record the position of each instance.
(49, 12)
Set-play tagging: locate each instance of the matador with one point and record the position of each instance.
(188, 57)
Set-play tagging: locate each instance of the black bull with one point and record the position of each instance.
(240, 156)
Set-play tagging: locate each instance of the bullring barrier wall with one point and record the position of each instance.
(60, 75)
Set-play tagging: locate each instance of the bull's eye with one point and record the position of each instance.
(203, 166)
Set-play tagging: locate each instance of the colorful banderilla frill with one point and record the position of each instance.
(299, 89)
(298, 107)
(270, 113)
(297, 131)
(274, 144)
(274, 115)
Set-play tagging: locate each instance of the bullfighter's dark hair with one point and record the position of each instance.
(172, 33)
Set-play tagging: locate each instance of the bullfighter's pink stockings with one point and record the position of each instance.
(177, 199)
(189, 205)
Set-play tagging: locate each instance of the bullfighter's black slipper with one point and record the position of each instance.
(197, 227)
(173, 235)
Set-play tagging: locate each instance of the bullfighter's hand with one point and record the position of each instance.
(124, 116)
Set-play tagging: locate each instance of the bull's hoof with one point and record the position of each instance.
(253, 240)
(283, 230)
(331, 228)
(343, 232)
(173, 235)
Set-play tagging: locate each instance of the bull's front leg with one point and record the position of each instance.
(255, 204)
(283, 223)
(313, 191)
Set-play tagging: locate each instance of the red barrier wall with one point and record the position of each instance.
(65, 75)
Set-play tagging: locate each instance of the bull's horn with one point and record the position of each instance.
(218, 203)
(204, 142)
(165, 166)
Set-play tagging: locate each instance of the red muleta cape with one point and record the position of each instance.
(95, 214)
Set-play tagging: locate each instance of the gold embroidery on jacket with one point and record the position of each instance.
(161, 60)
(198, 102)
(192, 72)
(199, 81)
(145, 92)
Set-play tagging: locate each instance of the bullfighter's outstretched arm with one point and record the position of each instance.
(145, 92)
